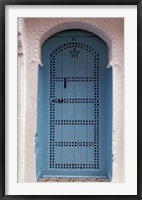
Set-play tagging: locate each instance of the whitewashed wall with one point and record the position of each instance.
(32, 32)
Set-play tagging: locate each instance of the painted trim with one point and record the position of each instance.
(75, 25)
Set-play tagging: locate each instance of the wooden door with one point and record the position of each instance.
(75, 107)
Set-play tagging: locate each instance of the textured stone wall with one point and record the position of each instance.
(21, 97)
(32, 32)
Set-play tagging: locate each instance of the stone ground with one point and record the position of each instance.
(71, 180)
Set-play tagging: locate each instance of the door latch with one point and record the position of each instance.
(60, 100)
(56, 101)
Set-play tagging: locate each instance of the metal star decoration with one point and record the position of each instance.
(74, 53)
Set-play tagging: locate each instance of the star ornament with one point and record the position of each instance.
(74, 53)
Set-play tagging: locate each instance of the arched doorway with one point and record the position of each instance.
(74, 107)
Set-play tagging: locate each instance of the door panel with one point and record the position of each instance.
(75, 96)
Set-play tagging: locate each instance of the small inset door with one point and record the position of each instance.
(74, 107)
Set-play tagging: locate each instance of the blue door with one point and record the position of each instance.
(74, 107)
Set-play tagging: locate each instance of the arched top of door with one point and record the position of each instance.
(82, 26)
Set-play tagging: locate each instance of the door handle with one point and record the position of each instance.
(65, 83)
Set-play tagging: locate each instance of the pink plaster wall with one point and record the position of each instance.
(32, 33)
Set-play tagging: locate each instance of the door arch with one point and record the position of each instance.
(74, 122)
